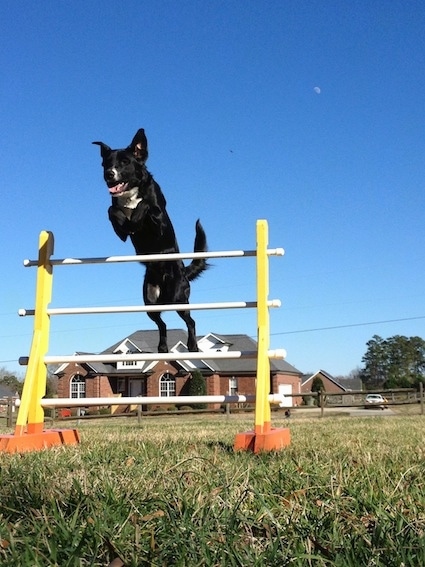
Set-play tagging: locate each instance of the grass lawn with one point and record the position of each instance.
(347, 492)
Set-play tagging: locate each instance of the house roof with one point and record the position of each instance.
(307, 377)
(147, 341)
(245, 343)
(96, 367)
(351, 384)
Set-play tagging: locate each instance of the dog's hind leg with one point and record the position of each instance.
(162, 328)
(191, 330)
(151, 293)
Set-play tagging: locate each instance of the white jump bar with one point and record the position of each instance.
(149, 308)
(155, 356)
(141, 400)
(156, 257)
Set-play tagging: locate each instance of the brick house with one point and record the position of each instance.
(160, 378)
(332, 386)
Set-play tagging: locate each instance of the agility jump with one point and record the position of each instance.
(30, 434)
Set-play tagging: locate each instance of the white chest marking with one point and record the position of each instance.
(129, 199)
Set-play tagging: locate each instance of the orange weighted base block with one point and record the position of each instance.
(38, 441)
(272, 440)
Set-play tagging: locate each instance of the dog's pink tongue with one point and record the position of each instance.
(116, 189)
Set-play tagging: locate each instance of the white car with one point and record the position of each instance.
(375, 401)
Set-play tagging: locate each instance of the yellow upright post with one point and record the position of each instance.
(30, 410)
(263, 437)
(262, 405)
(29, 433)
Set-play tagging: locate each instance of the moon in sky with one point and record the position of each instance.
(317, 90)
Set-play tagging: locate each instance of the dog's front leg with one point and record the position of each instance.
(124, 221)
(151, 210)
(119, 222)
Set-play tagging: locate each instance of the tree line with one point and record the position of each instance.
(395, 362)
(11, 381)
(15, 383)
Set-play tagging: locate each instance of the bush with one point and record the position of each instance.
(197, 387)
(92, 411)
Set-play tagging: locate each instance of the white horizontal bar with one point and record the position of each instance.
(156, 356)
(149, 308)
(156, 257)
(141, 400)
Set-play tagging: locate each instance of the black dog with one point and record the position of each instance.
(139, 210)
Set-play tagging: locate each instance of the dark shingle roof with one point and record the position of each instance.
(246, 343)
(147, 341)
(345, 384)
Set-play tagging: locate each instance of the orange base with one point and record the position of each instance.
(38, 441)
(272, 440)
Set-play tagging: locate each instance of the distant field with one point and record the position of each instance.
(347, 492)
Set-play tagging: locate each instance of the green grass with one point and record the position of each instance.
(347, 492)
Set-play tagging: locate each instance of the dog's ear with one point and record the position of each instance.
(104, 149)
(139, 145)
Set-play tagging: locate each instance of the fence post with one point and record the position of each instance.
(421, 396)
(228, 408)
(9, 417)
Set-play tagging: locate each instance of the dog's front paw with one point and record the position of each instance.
(119, 222)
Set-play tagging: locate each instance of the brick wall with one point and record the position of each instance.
(104, 386)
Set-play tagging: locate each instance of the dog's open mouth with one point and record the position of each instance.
(118, 189)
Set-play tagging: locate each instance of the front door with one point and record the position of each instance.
(137, 387)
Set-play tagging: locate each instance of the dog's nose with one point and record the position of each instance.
(110, 174)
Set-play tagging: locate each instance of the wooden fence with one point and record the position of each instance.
(323, 402)
(7, 411)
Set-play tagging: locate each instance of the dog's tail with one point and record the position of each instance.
(197, 266)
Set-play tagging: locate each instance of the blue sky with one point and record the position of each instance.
(238, 131)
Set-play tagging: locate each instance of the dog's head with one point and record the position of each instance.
(123, 169)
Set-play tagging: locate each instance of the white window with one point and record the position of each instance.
(233, 386)
(167, 385)
(77, 387)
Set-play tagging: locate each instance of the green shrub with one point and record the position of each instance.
(197, 387)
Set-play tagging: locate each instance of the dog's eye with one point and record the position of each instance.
(125, 161)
